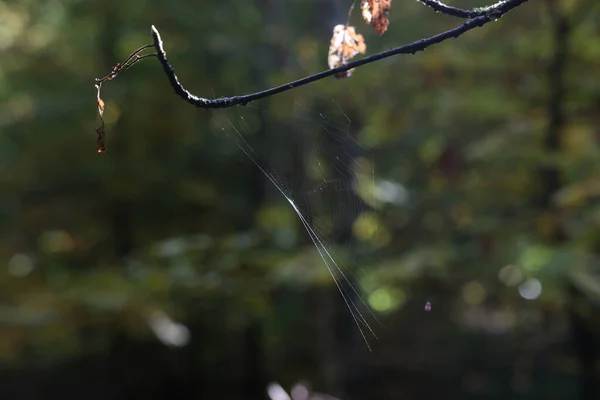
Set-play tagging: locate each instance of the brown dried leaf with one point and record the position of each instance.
(100, 101)
(100, 146)
(375, 13)
(100, 131)
(345, 44)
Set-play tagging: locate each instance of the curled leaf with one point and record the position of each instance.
(100, 101)
(375, 13)
(345, 44)
(100, 146)
(128, 63)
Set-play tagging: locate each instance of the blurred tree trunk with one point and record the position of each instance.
(349, 344)
(584, 317)
(119, 208)
(339, 362)
(557, 68)
(255, 382)
(586, 339)
(122, 349)
(253, 358)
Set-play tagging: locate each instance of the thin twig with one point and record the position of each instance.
(128, 63)
(124, 66)
(350, 12)
(136, 59)
(343, 58)
(420, 45)
(100, 146)
(137, 52)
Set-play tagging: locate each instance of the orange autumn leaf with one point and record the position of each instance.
(375, 13)
(99, 101)
(345, 44)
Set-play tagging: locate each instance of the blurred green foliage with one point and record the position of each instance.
(174, 218)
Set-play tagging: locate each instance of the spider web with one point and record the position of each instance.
(305, 146)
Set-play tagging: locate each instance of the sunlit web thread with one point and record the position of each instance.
(336, 271)
(338, 131)
(320, 246)
(353, 203)
(354, 199)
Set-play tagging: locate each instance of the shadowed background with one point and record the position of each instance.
(157, 270)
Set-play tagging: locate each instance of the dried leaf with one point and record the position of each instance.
(345, 44)
(100, 101)
(375, 13)
(100, 146)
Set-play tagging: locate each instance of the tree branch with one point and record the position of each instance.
(501, 7)
(492, 13)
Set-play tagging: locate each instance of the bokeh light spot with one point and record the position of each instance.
(365, 226)
(56, 241)
(510, 275)
(535, 257)
(20, 265)
(386, 299)
(473, 293)
(531, 289)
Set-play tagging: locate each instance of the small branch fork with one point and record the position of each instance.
(476, 18)
(124, 66)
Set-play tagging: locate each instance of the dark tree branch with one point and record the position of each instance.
(501, 7)
(477, 18)
(492, 13)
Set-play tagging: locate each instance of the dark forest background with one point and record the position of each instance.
(157, 270)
